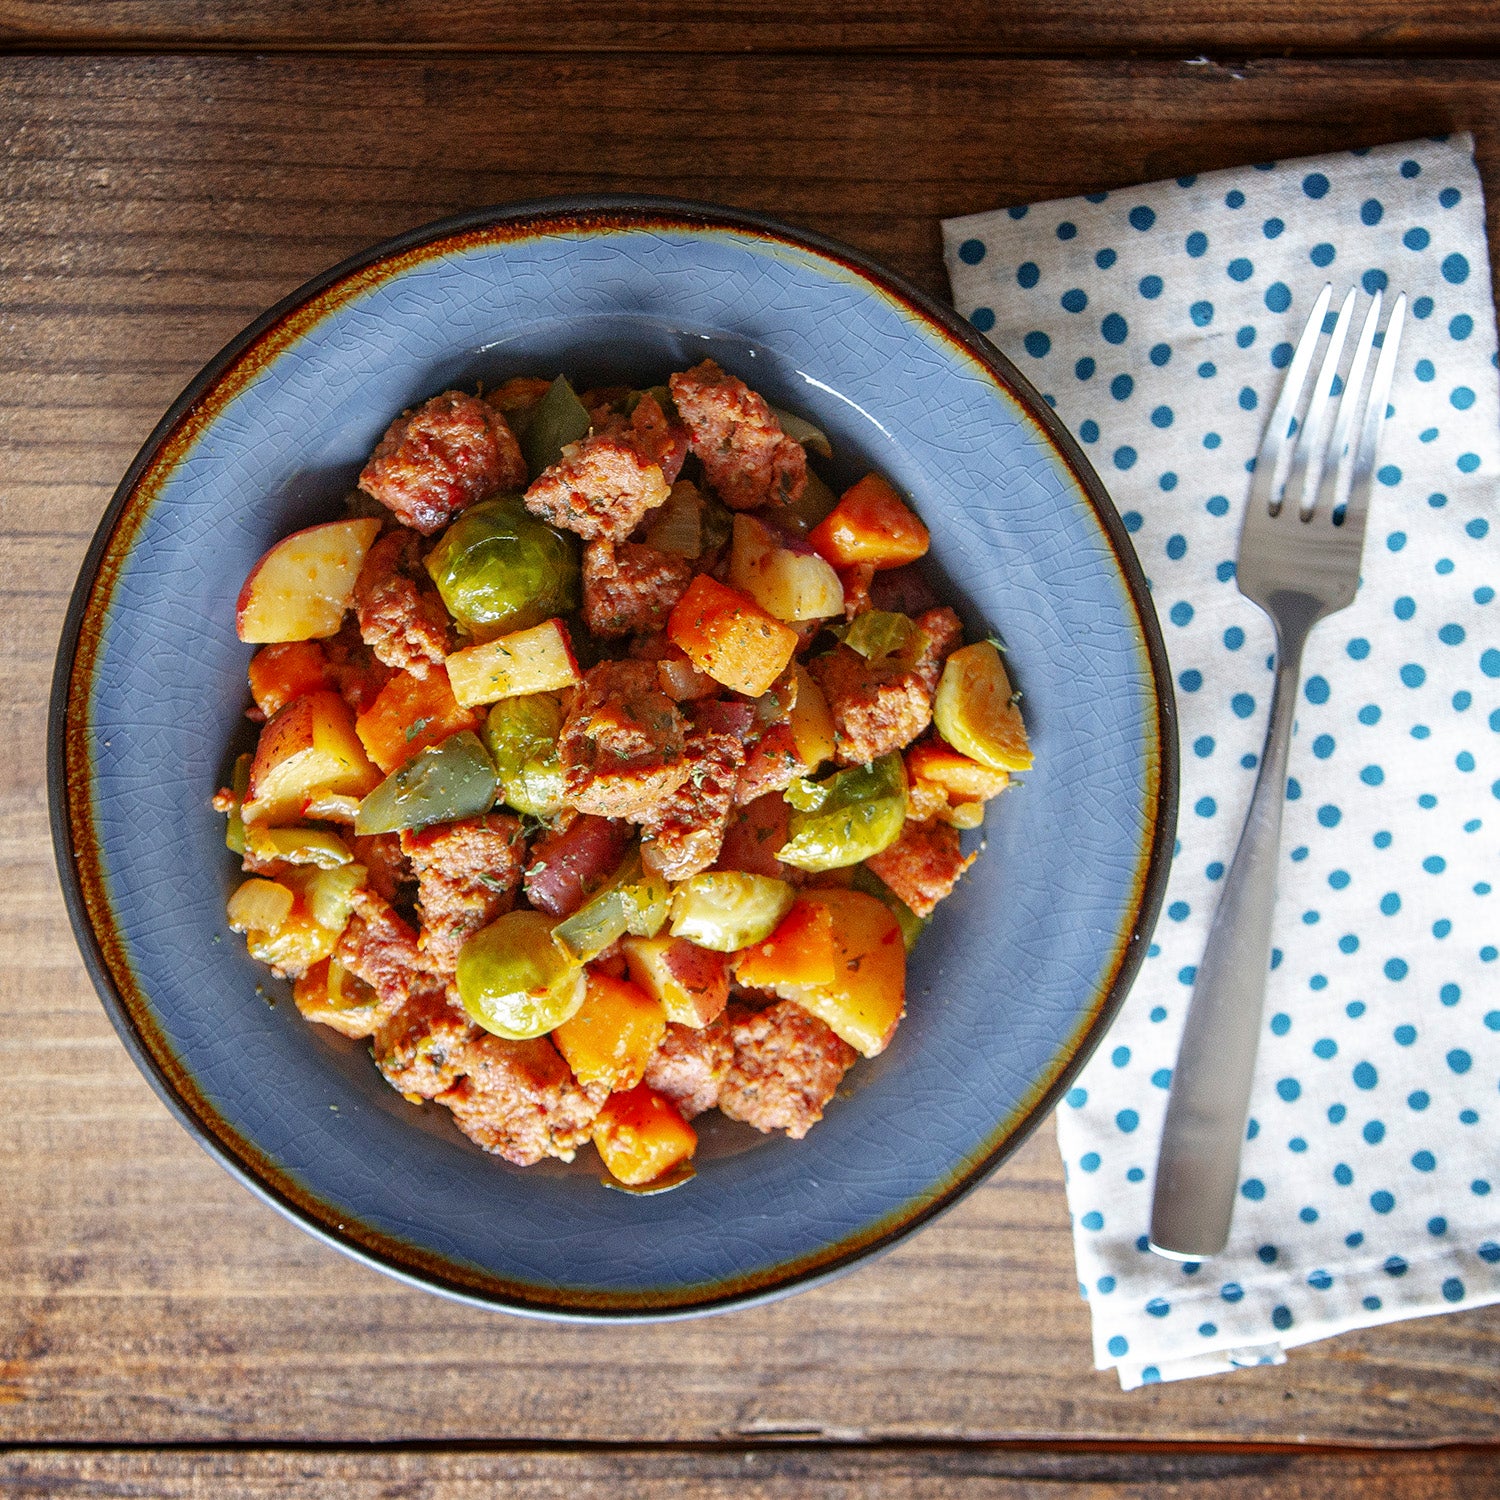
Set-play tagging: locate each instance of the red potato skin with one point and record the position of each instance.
(565, 867)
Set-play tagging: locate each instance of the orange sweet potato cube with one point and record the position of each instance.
(614, 1034)
(730, 637)
(800, 951)
(964, 780)
(286, 670)
(409, 714)
(641, 1136)
(870, 524)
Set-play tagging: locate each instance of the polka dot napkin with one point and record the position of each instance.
(1158, 321)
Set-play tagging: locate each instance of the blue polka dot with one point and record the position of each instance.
(1316, 689)
(1150, 287)
(1208, 369)
(1114, 328)
(1323, 746)
(1089, 1161)
(1455, 269)
(1449, 197)
(983, 318)
(1142, 218)
(1085, 368)
(1489, 663)
(1088, 430)
(1374, 1132)
(1217, 505)
(1459, 1060)
(1077, 1098)
(1460, 327)
(1278, 296)
(1124, 456)
(1289, 1089)
(1418, 1100)
(1028, 273)
(1371, 211)
(1349, 943)
(1067, 230)
(1319, 1280)
(1281, 1318)
(1389, 475)
(1240, 269)
(1437, 1225)
(1127, 1120)
(1374, 281)
(1074, 301)
(1424, 369)
(1191, 680)
(1478, 528)
(1461, 397)
(1118, 1345)
(1424, 1161)
(1365, 1076)
(1382, 840)
(1394, 1266)
(1451, 635)
(1211, 440)
(1253, 1189)
(971, 252)
(1121, 387)
(1325, 1047)
(1479, 1187)
(1234, 638)
(1224, 571)
(1315, 185)
(1422, 307)
(1162, 416)
(1105, 258)
(1160, 354)
(1453, 1290)
(1489, 1252)
(1248, 399)
(1092, 1220)
(1405, 1035)
(1382, 1202)
(1196, 244)
(1158, 1307)
(1390, 903)
(1413, 675)
(1243, 705)
(1396, 969)
(1214, 869)
(1037, 344)
(1372, 775)
(1434, 864)
(1404, 607)
(1329, 815)
(1416, 238)
(1343, 1174)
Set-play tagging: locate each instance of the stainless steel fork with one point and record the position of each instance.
(1299, 561)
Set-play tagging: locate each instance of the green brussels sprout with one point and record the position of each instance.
(440, 785)
(847, 817)
(726, 910)
(521, 734)
(499, 569)
(514, 981)
(558, 419)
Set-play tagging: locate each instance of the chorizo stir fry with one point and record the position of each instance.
(610, 765)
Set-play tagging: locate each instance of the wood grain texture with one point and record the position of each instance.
(772, 1472)
(150, 208)
(993, 27)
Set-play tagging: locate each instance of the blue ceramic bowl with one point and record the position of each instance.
(1018, 974)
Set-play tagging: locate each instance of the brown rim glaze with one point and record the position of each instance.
(70, 775)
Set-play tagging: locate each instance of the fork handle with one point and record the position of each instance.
(1197, 1172)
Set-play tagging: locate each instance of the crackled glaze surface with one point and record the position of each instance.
(1005, 990)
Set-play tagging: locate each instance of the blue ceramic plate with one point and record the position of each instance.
(1017, 975)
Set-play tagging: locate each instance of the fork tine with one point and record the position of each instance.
(1363, 475)
(1338, 467)
(1275, 452)
(1307, 461)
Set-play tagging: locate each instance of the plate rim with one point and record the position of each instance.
(620, 211)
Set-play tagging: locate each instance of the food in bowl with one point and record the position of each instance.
(610, 763)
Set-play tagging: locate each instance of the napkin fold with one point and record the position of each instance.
(1159, 320)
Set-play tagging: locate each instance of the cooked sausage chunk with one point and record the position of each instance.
(379, 948)
(401, 615)
(923, 865)
(442, 457)
(467, 875)
(357, 672)
(690, 1065)
(787, 1065)
(418, 1049)
(683, 833)
(771, 763)
(877, 706)
(746, 457)
(519, 1100)
(623, 745)
(600, 488)
(630, 588)
(944, 631)
(386, 866)
(660, 439)
(568, 864)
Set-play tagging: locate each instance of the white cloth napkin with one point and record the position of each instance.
(1158, 321)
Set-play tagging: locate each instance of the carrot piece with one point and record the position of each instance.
(614, 1034)
(409, 714)
(286, 670)
(641, 1136)
(728, 635)
(870, 524)
(800, 951)
(963, 779)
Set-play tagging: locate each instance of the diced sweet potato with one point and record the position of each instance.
(641, 1136)
(800, 951)
(613, 1035)
(309, 747)
(285, 670)
(963, 779)
(729, 636)
(870, 524)
(691, 983)
(410, 714)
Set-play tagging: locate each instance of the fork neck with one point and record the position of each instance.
(1292, 619)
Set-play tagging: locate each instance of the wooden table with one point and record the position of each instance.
(170, 169)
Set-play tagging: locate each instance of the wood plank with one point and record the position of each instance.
(992, 27)
(151, 207)
(770, 1472)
